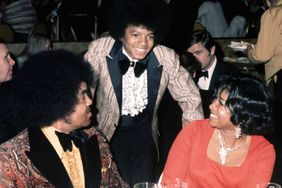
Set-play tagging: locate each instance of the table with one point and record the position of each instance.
(245, 66)
(237, 58)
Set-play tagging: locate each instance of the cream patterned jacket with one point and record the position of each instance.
(164, 71)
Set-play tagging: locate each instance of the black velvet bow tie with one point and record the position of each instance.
(76, 136)
(200, 74)
(203, 74)
(139, 66)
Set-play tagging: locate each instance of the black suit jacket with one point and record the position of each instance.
(52, 168)
(221, 68)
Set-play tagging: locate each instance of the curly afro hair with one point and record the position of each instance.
(45, 88)
(152, 14)
(250, 102)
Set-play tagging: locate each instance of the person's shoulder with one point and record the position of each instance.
(101, 45)
(274, 11)
(261, 141)
(18, 144)
(261, 145)
(163, 49)
(103, 42)
(277, 7)
(164, 53)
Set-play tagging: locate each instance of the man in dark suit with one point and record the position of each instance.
(203, 47)
(58, 148)
(6, 73)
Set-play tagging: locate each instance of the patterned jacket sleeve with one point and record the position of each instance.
(180, 85)
(110, 175)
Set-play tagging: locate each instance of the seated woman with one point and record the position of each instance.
(228, 149)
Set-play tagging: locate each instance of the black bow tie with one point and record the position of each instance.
(200, 74)
(139, 66)
(77, 137)
(203, 74)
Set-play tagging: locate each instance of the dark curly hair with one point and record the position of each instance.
(250, 102)
(45, 88)
(152, 14)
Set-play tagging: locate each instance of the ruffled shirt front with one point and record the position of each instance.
(134, 91)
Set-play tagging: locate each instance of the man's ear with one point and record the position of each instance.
(212, 50)
(67, 119)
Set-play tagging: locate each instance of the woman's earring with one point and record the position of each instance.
(238, 132)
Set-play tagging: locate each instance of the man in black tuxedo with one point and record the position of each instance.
(203, 47)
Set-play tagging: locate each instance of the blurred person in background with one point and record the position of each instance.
(21, 16)
(211, 16)
(6, 73)
(268, 48)
(7, 63)
(203, 47)
(268, 51)
(36, 43)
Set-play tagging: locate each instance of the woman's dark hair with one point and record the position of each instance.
(45, 88)
(152, 14)
(203, 37)
(250, 102)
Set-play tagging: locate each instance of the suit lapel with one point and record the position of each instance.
(45, 159)
(91, 158)
(214, 77)
(154, 72)
(114, 71)
(218, 71)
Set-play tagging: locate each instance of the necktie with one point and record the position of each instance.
(139, 66)
(76, 136)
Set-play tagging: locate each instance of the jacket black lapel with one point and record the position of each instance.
(154, 71)
(91, 158)
(114, 70)
(45, 159)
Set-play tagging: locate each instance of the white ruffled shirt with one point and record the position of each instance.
(134, 91)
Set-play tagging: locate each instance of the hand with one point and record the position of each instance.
(249, 47)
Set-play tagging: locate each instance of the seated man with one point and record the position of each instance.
(202, 46)
(57, 149)
(6, 72)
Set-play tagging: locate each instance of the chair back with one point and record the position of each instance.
(6, 33)
(40, 28)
